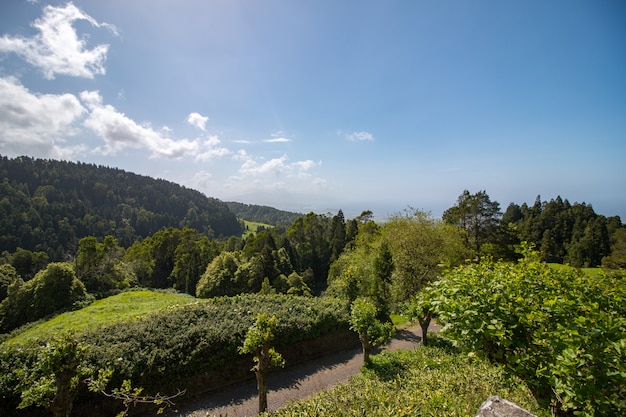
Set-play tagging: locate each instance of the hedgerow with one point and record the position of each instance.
(163, 351)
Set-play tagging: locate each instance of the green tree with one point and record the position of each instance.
(219, 277)
(370, 330)
(8, 275)
(477, 215)
(51, 290)
(258, 342)
(422, 309)
(28, 263)
(56, 377)
(337, 239)
(191, 257)
(617, 259)
(100, 266)
(420, 245)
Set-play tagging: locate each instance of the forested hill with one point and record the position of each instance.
(263, 214)
(48, 205)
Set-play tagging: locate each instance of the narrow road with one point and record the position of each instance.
(294, 383)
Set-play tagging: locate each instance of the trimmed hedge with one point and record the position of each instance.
(187, 344)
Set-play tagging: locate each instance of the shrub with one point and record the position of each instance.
(561, 331)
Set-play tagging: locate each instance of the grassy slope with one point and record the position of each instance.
(421, 382)
(251, 227)
(590, 272)
(122, 307)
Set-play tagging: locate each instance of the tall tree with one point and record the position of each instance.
(337, 240)
(420, 245)
(477, 215)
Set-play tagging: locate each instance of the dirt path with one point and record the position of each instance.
(293, 383)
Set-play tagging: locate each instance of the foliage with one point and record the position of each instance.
(617, 259)
(128, 394)
(420, 245)
(55, 378)
(171, 258)
(558, 329)
(100, 267)
(8, 275)
(160, 351)
(421, 309)
(477, 215)
(371, 331)
(52, 289)
(421, 382)
(258, 342)
(390, 263)
(564, 232)
(49, 205)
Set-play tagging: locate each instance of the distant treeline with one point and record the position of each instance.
(48, 206)
(569, 233)
(263, 214)
(562, 232)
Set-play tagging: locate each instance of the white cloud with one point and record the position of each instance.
(202, 180)
(197, 120)
(277, 140)
(120, 132)
(36, 124)
(305, 165)
(275, 166)
(360, 136)
(211, 149)
(57, 49)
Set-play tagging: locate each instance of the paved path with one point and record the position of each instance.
(297, 382)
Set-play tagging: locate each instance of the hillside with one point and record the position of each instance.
(48, 205)
(263, 214)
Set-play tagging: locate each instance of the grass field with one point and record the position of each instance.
(590, 272)
(126, 306)
(252, 227)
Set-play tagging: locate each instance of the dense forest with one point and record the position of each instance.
(48, 206)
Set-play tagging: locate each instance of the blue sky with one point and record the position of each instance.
(321, 105)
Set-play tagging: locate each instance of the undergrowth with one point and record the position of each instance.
(428, 381)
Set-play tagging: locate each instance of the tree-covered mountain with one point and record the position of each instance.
(48, 205)
(263, 214)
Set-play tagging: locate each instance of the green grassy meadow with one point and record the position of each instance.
(122, 307)
(252, 227)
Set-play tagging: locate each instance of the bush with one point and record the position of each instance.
(561, 331)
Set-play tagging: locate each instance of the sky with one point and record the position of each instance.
(321, 105)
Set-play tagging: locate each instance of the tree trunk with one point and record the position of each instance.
(261, 380)
(63, 401)
(424, 323)
(366, 347)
